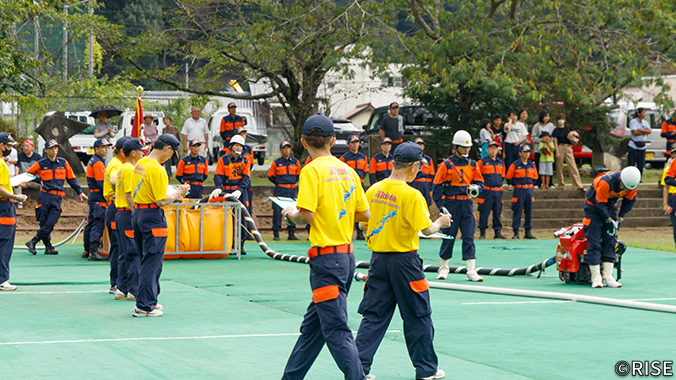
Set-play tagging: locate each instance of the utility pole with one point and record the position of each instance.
(186, 75)
(91, 41)
(36, 41)
(65, 44)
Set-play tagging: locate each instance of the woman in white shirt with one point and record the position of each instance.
(517, 133)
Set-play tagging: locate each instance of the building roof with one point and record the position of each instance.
(357, 110)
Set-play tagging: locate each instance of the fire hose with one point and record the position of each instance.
(470, 288)
(62, 242)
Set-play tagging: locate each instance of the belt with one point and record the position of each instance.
(147, 205)
(102, 204)
(111, 201)
(54, 192)
(5, 199)
(94, 190)
(287, 186)
(230, 187)
(194, 182)
(493, 188)
(523, 186)
(391, 252)
(398, 141)
(457, 197)
(316, 251)
(123, 209)
(589, 203)
(423, 180)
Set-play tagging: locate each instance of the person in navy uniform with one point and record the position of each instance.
(193, 170)
(359, 163)
(381, 163)
(284, 173)
(455, 177)
(96, 172)
(423, 180)
(522, 175)
(492, 168)
(53, 171)
(229, 126)
(247, 153)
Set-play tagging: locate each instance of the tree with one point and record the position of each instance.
(287, 46)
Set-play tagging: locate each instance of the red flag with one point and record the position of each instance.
(137, 129)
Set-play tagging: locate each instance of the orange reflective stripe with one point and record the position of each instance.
(480, 200)
(281, 170)
(487, 169)
(60, 173)
(586, 221)
(7, 221)
(112, 226)
(189, 169)
(129, 233)
(160, 232)
(46, 175)
(420, 285)
(514, 200)
(325, 293)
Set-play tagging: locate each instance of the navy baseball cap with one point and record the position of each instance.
(51, 143)
(132, 144)
(194, 142)
(284, 143)
(119, 144)
(408, 152)
(232, 104)
(103, 141)
(169, 140)
(321, 122)
(386, 140)
(6, 138)
(525, 148)
(353, 138)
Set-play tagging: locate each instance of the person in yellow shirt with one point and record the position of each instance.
(669, 193)
(129, 259)
(149, 194)
(396, 275)
(7, 213)
(330, 199)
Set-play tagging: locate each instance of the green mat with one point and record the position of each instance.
(229, 319)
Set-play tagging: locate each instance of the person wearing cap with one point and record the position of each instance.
(284, 173)
(423, 180)
(128, 256)
(492, 168)
(602, 220)
(547, 150)
(392, 127)
(669, 193)
(229, 125)
(109, 180)
(102, 127)
(669, 132)
(196, 128)
(331, 199)
(193, 169)
(149, 127)
(7, 213)
(149, 184)
(395, 276)
(233, 172)
(640, 129)
(381, 163)
(96, 172)
(52, 171)
(359, 163)
(247, 153)
(522, 175)
(455, 178)
(25, 159)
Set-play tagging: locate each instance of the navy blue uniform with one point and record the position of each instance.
(449, 190)
(7, 235)
(284, 174)
(129, 265)
(358, 162)
(599, 205)
(52, 175)
(233, 173)
(193, 171)
(380, 168)
(490, 200)
(96, 171)
(423, 180)
(229, 126)
(522, 177)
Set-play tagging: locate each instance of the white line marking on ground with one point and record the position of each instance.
(161, 338)
(65, 292)
(522, 302)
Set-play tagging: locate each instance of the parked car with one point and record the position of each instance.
(83, 142)
(344, 129)
(255, 135)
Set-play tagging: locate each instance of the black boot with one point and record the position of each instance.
(528, 235)
(516, 234)
(498, 235)
(94, 254)
(482, 233)
(243, 251)
(276, 235)
(31, 245)
(85, 254)
(292, 235)
(360, 234)
(49, 248)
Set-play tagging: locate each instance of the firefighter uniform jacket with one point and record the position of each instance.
(284, 172)
(229, 127)
(668, 129)
(493, 172)
(522, 175)
(96, 172)
(605, 192)
(358, 162)
(192, 170)
(448, 183)
(234, 174)
(426, 174)
(380, 168)
(53, 174)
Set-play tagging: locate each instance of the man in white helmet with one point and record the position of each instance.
(450, 185)
(601, 221)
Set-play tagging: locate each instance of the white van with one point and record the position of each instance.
(83, 142)
(127, 122)
(255, 137)
(657, 145)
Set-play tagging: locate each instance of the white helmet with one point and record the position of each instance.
(630, 177)
(462, 138)
(237, 139)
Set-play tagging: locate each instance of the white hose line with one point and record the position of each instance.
(73, 236)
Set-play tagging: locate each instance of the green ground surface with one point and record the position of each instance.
(229, 319)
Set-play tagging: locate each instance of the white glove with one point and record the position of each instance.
(614, 226)
(236, 194)
(215, 194)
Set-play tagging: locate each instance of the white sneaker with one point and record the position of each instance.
(611, 283)
(19, 205)
(474, 277)
(142, 313)
(597, 284)
(370, 376)
(596, 279)
(113, 289)
(131, 297)
(119, 295)
(158, 307)
(6, 286)
(439, 375)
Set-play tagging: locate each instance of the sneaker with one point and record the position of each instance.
(370, 376)
(119, 295)
(6, 286)
(113, 289)
(597, 284)
(439, 375)
(158, 307)
(19, 205)
(474, 278)
(142, 313)
(611, 283)
(131, 297)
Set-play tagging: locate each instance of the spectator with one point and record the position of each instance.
(170, 129)
(564, 152)
(498, 131)
(640, 129)
(669, 132)
(485, 135)
(543, 125)
(149, 128)
(102, 127)
(517, 133)
(547, 151)
(25, 159)
(196, 128)
(392, 126)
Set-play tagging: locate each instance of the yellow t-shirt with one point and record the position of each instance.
(4, 177)
(149, 181)
(332, 191)
(398, 212)
(124, 184)
(111, 171)
(672, 189)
